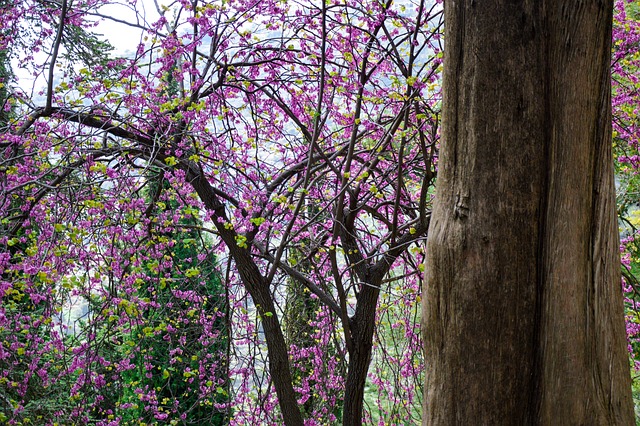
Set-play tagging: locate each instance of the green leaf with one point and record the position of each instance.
(192, 272)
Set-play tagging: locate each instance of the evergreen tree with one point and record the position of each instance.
(6, 75)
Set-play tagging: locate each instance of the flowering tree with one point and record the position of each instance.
(301, 135)
(626, 135)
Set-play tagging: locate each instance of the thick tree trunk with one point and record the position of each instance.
(523, 315)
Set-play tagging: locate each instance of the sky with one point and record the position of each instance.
(125, 38)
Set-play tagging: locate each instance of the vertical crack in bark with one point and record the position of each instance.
(537, 346)
(459, 61)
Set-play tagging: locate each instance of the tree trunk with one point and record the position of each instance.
(279, 367)
(523, 314)
(258, 288)
(362, 328)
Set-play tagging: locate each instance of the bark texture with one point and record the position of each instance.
(362, 329)
(523, 315)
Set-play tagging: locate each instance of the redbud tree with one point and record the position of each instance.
(302, 138)
(626, 135)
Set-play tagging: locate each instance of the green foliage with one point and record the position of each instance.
(85, 48)
(633, 10)
(174, 360)
(6, 75)
(168, 365)
(301, 309)
(27, 393)
(301, 331)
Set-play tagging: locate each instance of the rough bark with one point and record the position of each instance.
(523, 314)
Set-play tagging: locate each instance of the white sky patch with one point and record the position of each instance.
(123, 32)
